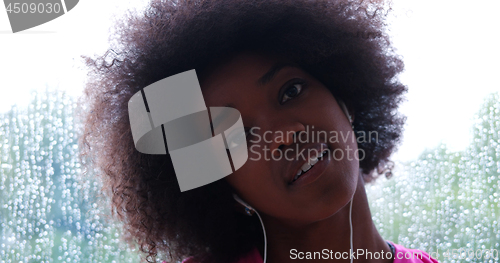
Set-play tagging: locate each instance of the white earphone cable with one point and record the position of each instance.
(265, 238)
(238, 199)
(350, 226)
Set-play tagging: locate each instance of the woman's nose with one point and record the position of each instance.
(283, 135)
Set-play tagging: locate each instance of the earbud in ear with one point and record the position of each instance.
(344, 109)
(248, 209)
(346, 112)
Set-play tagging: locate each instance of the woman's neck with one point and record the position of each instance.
(330, 236)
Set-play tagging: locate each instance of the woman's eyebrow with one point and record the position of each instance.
(266, 78)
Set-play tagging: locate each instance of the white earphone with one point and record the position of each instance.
(249, 208)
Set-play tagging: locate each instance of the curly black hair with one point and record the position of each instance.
(343, 43)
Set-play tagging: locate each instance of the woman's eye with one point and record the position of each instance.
(236, 138)
(292, 91)
(248, 133)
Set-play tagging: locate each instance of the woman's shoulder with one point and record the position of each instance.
(252, 257)
(406, 255)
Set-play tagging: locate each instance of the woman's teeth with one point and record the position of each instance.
(308, 165)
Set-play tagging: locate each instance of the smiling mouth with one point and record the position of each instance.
(308, 165)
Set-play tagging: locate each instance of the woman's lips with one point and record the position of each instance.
(313, 173)
(311, 156)
(309, 164)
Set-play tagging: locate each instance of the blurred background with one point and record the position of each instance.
(445, 189)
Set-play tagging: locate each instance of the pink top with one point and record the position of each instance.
(402, 255)
(406, 255)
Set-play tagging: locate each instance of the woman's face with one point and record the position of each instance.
(286, 108)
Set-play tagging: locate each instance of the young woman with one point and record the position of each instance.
(306, 76)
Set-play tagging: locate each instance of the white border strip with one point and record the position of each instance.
(64, 6)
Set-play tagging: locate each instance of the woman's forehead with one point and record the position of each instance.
(241, 65)
(246, 68)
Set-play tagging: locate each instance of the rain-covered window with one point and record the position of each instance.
(442, 201)
(447, 202)
(47, 213)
